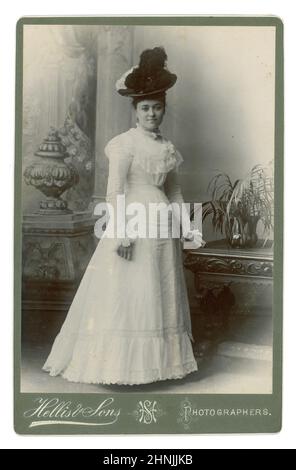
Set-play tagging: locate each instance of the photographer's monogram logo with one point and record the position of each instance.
(147, 411)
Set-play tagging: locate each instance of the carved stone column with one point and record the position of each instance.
(113, 116)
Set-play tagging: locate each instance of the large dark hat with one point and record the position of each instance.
(150, 77)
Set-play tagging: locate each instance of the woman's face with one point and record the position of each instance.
(150, 113)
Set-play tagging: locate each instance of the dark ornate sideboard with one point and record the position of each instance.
(55, 253)
(233, 293)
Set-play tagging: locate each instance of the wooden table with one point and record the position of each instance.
(232, 285)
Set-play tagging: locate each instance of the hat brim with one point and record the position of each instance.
(131, 93)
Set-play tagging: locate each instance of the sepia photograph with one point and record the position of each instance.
(147, 201)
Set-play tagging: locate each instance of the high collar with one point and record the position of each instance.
(156, 134)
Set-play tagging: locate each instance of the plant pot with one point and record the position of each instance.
(250, 229)
(242, 233)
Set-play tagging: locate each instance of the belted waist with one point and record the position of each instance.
(138, 186)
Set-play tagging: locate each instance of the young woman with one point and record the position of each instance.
(129, 322)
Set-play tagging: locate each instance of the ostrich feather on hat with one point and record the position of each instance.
(150, 77)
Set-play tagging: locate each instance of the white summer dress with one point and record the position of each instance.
(129, 322)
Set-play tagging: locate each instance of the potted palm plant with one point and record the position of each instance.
(236, 207)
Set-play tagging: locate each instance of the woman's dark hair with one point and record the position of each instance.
(159, 96)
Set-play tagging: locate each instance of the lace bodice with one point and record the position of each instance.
(140, 158)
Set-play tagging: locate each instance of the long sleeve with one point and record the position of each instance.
(119, 162)
(120, 159)
(173, 192)
(182, 210)
(173, 188)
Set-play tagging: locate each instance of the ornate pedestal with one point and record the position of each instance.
(56, 251)
(233, 294)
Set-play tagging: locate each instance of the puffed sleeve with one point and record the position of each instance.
(120, 158)
(119, 155)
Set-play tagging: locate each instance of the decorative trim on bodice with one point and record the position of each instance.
(154, 153)
(150, 150)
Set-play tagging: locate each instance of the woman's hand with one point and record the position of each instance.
(195, 237)
(125, 252)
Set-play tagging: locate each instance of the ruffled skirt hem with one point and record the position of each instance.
(150, 376)
(121, 360)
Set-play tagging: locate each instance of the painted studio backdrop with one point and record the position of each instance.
(220, 115)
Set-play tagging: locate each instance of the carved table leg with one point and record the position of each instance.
(215, 304)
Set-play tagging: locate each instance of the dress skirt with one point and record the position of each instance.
(129, 322)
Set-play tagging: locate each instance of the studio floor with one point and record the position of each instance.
(234, 369)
